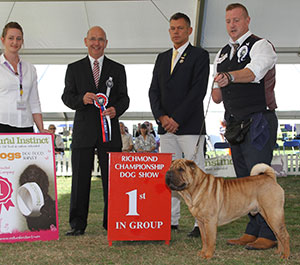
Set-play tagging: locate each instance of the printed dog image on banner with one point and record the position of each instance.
(28, 196)
(34, 175)
(217, 201)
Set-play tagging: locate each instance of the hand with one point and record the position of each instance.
(221, 79)
(111, 112)
(169, 124)
(45, 131)
(89, 98)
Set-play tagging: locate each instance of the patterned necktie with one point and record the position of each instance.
(96, 72)
(235, 47)
(175, 52)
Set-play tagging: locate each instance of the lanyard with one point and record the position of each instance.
(20, 75)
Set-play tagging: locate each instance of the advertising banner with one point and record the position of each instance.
(139, 200)
(28, 196)
(222, 166)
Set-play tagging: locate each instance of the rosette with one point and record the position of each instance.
(5, 193)
(101, 103)
(242, 53)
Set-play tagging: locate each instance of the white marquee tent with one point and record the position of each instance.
(137, 31)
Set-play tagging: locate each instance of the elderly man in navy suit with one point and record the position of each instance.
(96, 88)
(176, 95)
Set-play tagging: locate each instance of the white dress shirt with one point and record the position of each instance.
(100, 61)
(180, 50)
(10, 94)
(262, 54)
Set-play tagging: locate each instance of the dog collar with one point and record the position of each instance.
(30, 199)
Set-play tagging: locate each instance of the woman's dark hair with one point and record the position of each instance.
(11, 25)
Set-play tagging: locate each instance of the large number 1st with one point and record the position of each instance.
(1, 194)
(132, 203)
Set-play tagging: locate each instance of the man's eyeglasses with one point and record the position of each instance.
(97, 39)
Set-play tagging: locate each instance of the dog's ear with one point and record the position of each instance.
(191, 164)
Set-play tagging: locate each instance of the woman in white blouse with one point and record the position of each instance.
(19, 100)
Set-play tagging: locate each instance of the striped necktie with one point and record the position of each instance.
(96, 72)
(235, 47)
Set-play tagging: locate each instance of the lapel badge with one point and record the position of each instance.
(182, 58)
(222, 57)
(242, 53)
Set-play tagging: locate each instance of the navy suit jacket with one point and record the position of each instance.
(87, 124)
(180, 94)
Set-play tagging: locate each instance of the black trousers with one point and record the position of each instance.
(4, 128)
(82, 164)
(244, 157)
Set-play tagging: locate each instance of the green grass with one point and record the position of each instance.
(92, 248)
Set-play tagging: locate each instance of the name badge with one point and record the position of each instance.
(21, 105)
(222, 58)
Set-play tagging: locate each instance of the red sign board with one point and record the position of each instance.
(139, 201)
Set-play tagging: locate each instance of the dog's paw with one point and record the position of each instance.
(285, 256)
(204, 254)
(200, 253)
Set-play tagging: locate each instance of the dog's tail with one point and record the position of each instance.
(263, 169)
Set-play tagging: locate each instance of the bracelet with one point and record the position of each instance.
(230, 77)
(215, 85)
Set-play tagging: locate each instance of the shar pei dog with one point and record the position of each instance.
(218, 201)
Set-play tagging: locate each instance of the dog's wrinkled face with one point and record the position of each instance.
(179, 176)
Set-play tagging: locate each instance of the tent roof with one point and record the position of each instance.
(138, 30)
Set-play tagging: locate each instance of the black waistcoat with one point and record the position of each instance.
(241, 99)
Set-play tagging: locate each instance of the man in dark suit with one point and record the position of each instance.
(176, 95)
(83, 92)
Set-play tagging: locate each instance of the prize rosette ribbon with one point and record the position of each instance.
(101, 103)
(5, 193)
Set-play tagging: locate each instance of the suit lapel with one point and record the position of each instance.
(182, 58)
(104, 75)
(167, 64)
(89, 73)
